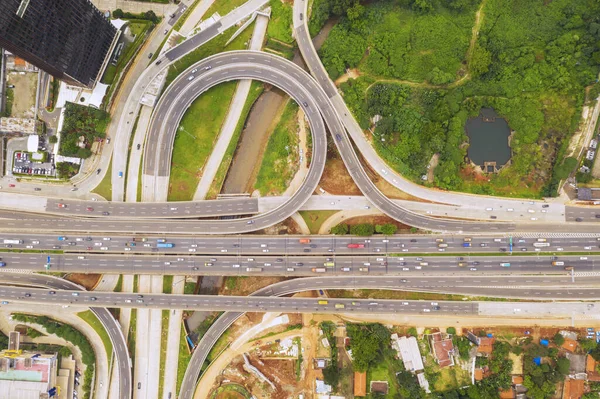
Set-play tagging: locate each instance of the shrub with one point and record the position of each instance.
(363, 229)
(340, 229)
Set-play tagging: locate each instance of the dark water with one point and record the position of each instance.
(488, 137)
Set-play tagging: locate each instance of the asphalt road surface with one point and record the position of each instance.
(108, 321)
(403, 245)
(151, 210)
(300, 266)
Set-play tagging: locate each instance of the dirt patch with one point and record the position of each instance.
(350, 74)
(89, 281)
(433, 162)
(229, 395)
(25, 87)
(288, 226)
(234, 285)
(336, 180)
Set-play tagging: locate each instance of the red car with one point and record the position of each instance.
(89, 248)
(11, 185)
(89, 209)
(62, 206)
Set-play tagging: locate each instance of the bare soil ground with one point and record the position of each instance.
(336, 179)
(288, 226)
(88, 281)
(247, 285)
(24, 101)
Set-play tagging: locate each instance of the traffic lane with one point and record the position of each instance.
(328, 245)
(226, 303)
(108, 321)
(104, 209)
(294, 265)
(587, 214)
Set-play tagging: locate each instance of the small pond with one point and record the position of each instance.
(488, 137)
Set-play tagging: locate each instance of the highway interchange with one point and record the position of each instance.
(105, 252)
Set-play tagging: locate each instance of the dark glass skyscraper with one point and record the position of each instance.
(67, 38)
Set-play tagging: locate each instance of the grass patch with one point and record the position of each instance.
(256, 89)
(223, 7)
(194, 140)
(119, 285)
(450, 378)
(183, 359)
(163, 348)
(10, 98)
(131, 337)
(135, 283)
(314, 219)
(288, 328)
(389, 294)
(219, 346)
(280, 23)
(167, 286)
(93, 321)
(280, 161)
(139, 185)
(104, 189)
(189, 288)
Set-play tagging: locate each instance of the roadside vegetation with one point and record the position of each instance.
(71, 335)
(432, 65)
(195, 139)
(280, 160)
(105, 187)
(314, 219)
(97, 325)
(280, 23)
(80, 121)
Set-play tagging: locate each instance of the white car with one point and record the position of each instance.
(192, 250)
(147, 245)
(265, 250)
(223, 250)
(127, 249)
(104, 248)
(81, 257)
(560, 249)
(106, 238)
(29, 247)
(587, 248)
(405, 269)
(235, 265)
(404, 249)
(35, 242)
(194, 245)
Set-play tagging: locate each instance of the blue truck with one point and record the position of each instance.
(466, 244)
(2, 264)
(62, 238)
(165, 245)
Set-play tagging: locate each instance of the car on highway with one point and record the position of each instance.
(587, 248)
(473, 269)
(476, 263)
(105, 213)
(89, 209)
(5, 302)
(37, 189)
(61, 205)
(51, 292)
(120, 174)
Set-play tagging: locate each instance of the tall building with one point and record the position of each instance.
(70, 39)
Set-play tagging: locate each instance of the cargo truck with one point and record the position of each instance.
(304, 241)
(62, 238)
(2, 264)
(442, 245)
(340, 306)
(329, 264)
(165, 245)
(558, 263)
(15, 241)
(254, 269)
(505, 264)
(322, 302)
(161, 240)
(319, 269)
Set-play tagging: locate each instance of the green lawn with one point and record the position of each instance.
(280, 161)
(280, 23)
(189, 288)
(256, 88)
(163, 348)
(195, 138)
(314, 219)
(119, 286)
(183, 360)
(93, 321)
(167, 284)
(105, 187)
(223, 7)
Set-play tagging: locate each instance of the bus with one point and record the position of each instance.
(541, 244)
(505, 264)
(165, 245)
(558, 263)
(13, 241)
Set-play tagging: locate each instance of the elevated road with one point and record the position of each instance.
(108, 321)
(302, 266)
(233, 245)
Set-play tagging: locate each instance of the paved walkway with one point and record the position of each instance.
(296, 217)
(195, 16)
(173, 342)
(233, 116)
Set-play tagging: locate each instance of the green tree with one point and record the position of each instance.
(362, 229)
(558, 339)
(53, 139)
(340, 229)
(562, 365)
(388, 229)
(480, 61)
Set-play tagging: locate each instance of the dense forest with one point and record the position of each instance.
(426, 66)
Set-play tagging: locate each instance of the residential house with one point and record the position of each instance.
(408, 351)
(573, 389)
(590, 369)
(381, 387)
(442, 348)
(569, 345)
(360, 383)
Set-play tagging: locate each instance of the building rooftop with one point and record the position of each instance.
(408, 351)
(360, 383)
(443, 349)
(380, 387)
(569, 344)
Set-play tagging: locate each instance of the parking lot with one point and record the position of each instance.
(23, 164)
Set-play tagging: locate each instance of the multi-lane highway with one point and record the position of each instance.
(299, 266)
(403, 245)
(108, 321)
